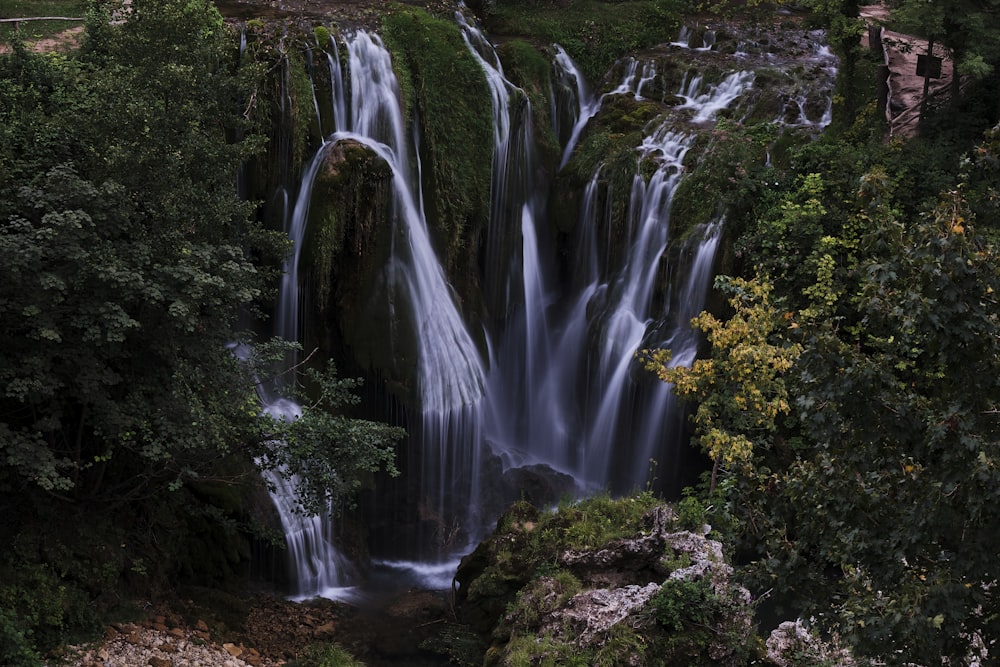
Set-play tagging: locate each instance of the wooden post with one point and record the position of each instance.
(927, 83)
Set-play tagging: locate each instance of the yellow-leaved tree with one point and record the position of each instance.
(739, 389)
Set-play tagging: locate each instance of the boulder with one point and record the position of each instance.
(604, 582)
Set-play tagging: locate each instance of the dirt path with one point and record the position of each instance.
(906, 89)
(65, 40)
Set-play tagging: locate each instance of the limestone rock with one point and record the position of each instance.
(791, 643)
(657, 594)
(588, 617)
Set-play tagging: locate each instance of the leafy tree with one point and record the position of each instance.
(739, 389)
(966, 27)
(329, 451)
(130, 263)
(873, 506)
(900, 409)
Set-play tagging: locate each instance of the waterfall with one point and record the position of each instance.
(708, 101)
(450, 377)
(588, 105)
(450, 373)
(337, 92)
(518, 395)
(317, 567)
(553, 396)
(561, 387)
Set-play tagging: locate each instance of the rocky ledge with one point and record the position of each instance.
(614, 582)
(622, 582)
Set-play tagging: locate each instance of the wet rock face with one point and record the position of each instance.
(658, 590)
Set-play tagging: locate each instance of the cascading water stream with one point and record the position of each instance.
(520, 394)
(562, 387)
(624, 424)
(706, 103)
(588, 105)
(629, 296)
(450, 375)
(316, 566)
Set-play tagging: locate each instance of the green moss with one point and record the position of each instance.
(446, 89)
(322, 36)
(699, 627)
(731, 164)
(594, 33)
(542, 596)
(304, 131)
(531, 651)
(325, 655)
(616, 151)
(529, 69)
(596, 521)
(346, 247)
(526, 540)
(624, 646)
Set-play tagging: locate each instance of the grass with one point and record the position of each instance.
(595, 33)
(32, 30)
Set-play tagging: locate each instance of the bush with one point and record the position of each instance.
(325, 655)
(15, 647)
(682, 603)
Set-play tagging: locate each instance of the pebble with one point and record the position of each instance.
(136, 646)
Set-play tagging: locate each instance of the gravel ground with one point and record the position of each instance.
(132, 645)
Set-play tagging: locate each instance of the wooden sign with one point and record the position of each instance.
(928, 66)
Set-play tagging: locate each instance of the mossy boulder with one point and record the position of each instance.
(446, 92)
(604, 581)
(346, 247)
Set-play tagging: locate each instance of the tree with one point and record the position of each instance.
(873, 508)
(739, 389)
(128, 428)
(967, 27)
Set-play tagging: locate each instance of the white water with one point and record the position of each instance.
(445, 434)
(707, 101)
(315, 564)
(629, 296)
(554, 397)
(684, 40)
(317, 567)
(450, 376)
(587, 104)
(562, 386)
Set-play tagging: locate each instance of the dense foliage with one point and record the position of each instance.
(595, 33)
(128, 427)
(850, 395)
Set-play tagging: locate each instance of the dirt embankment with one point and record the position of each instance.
(65, 40)
(906, 88)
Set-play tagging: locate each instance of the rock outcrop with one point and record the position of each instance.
(604, 581)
